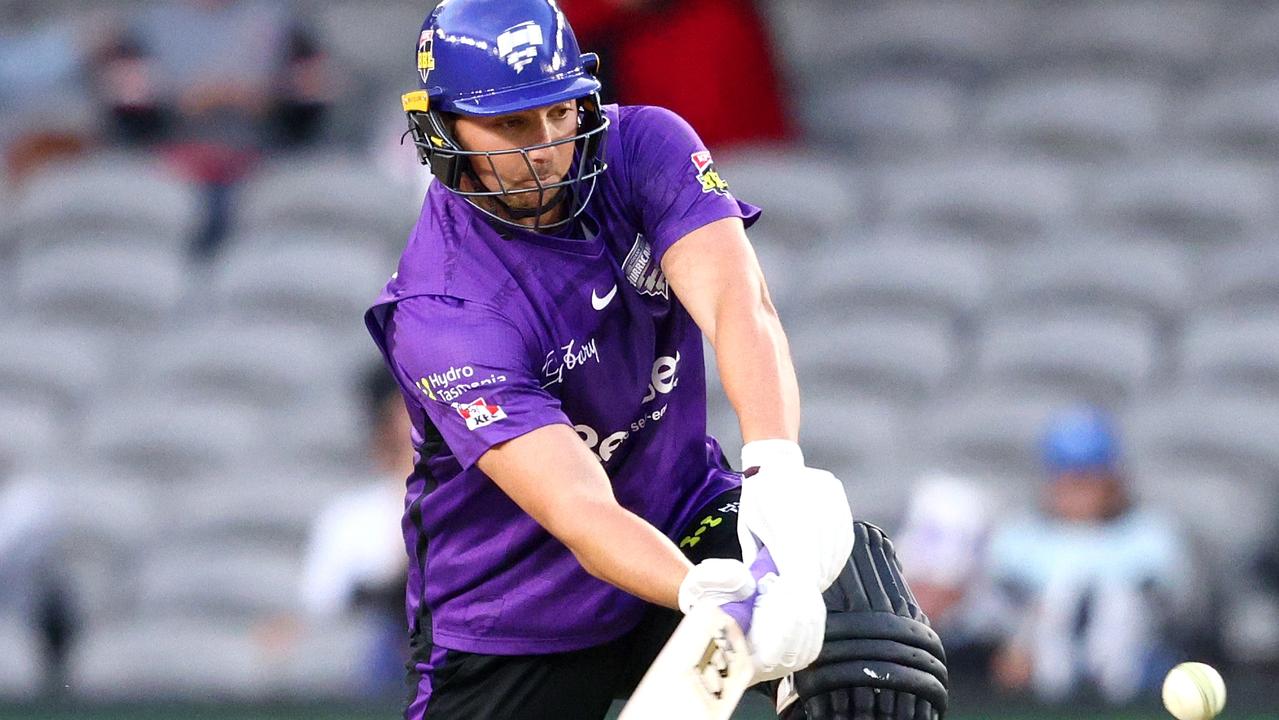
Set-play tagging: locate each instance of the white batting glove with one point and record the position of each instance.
(800, 513)
(787, 627)
(788, 620)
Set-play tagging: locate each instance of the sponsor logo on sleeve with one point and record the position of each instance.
(451, 384)
(642, 272)
(707, 175)
(479, 414)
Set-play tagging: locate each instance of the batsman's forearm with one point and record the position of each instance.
(622, 549)
(756, 371)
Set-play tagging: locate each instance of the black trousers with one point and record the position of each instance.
(581, 684)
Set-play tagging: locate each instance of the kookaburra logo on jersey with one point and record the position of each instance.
(518, 45)
(642, 272)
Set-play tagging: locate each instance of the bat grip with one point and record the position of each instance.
(741, 610)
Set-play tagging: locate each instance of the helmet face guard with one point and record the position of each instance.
(450, 163)
(489, 58)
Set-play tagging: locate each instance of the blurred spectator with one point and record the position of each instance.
(711, 61)
(42, 105)
(943, 544)
(213, 84)
(1099, 579)
(33, 587)
(355, 560)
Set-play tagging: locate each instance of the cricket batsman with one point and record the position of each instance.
(545, 326)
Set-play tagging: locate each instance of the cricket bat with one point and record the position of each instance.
(705, 666)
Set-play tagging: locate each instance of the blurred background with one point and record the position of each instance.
(1025, 251)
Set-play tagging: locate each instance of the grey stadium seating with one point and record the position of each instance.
(993, 197)
(29, 432)
(1101, 360)
(49, 365)
(1236, 114)
(1241, 280)
(804, 197)
(900, 360)
(859, 439)
(107, 198)
(1077, 115)
(1155, 36)
(329, 659)
(218, 577)
(169, 658)
(889, 115)
(21, 664)
(1228, 433)
(1094, 277)
(1232, 353)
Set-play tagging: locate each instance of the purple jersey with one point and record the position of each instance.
(494, 332)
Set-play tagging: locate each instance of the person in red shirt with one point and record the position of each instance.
(711, 61)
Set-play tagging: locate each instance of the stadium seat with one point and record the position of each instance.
(328, 430)
(252, 503)
(219, 577)
(1101, 360)
(989, 434)
(937, 280)
(125, 288)
(29, 432)
(1232, 353)
(884, 116)
(1093, 277)
(358, 33)
(21, 664)
(803, 196)
(1077, 115)
(858, 439)
(1253, 33)
(1236, 114)
(1194, 199)
(899, 360)
(1154, 36)
(1212, 432)
(1241, 280)
(328, 660)
(328, 194)
(160, 432)
(990, 198)
(175, 658)
(51, 365)
(107, 199)
(263, 365)
(327, 285)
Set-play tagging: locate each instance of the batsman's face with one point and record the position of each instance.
(538, 126)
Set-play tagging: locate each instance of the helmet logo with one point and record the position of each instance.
(518, 44)
(425, 56)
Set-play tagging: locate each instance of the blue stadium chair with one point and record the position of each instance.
(1074, 114)
(1098, 359)
(1190, 198)
(1230, 352)
(1151, 36)
(107, 199)
(899, 360)
(1094, 277)
(886, 116)
(988, 197)
(174, 658)
(1239, 115)
(84, 285)
(327, 194)
(894, 278)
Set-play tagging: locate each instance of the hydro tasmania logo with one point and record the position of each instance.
(641, 272)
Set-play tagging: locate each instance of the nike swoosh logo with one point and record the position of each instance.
(599, 303)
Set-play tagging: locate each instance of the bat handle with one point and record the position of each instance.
(741, 610)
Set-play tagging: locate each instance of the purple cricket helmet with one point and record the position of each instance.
(494, 57)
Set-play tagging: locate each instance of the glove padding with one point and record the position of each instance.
(802, 515)
(787, 621)
(881, 660)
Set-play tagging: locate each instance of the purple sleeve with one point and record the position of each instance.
(674, 178)
(469, 368)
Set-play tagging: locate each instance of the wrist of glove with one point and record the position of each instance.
(802, 514)
(787, 620)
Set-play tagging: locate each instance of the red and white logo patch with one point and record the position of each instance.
(707, 175)
(479, 414)
(702, 160)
